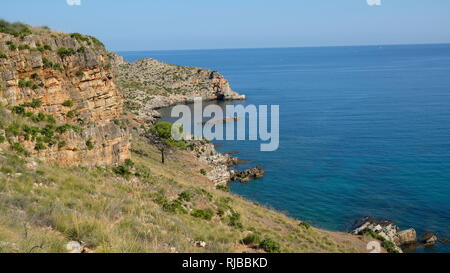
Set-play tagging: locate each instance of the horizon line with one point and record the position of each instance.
(286, 47)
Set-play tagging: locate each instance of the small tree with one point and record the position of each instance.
(160, 135)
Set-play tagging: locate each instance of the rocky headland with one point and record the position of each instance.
(149, 85)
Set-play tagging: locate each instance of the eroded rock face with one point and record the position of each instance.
(74, 86)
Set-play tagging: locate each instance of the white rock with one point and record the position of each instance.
(74, 247)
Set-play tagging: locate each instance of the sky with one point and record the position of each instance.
(216, 24)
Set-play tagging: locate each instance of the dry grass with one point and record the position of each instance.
(45, 207)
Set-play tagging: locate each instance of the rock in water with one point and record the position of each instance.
(429, 239)
(248, 175)
(406, 237)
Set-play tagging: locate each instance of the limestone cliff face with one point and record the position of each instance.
(149, 84)
(69, 78)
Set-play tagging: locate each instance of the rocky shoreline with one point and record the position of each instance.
(150, 85)
(391, 235)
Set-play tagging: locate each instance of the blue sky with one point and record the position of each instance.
(201, 24)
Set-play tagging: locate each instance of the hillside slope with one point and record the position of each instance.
(70, 170)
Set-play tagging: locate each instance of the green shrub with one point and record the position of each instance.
(223, 188)
(89, 145)
(47, 63)
(17, 29)
(38, 118)
(3, 55)
(12, 46)
(270, 246)
(68, 103)
(174, 207)
(19, 110)
(61, 144)
(13, 129)
(304, 225)
(35, 103)
(122, 170)
(63, 128)
(129, 163)
(47, 47)
(203, 172)
(79, 37)
(234, 220)
(206, 214)
(51, 119)
(251, 239)
(2, 139)
(63, 52)
(29, 84)
(19, 148)
(185, 196)
(39, 146)
(81, 49)
(22, 83)
(79, 74)
(24, 47)
(71, 114)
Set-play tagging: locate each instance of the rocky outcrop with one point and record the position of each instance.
(429, 239)
(219, 163)
(248, 175)
(67, 77)
(149, 85)
(221, 172)
(387, 230)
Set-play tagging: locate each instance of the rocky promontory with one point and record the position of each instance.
(149, 85)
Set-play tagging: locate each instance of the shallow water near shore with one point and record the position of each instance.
(363, 131)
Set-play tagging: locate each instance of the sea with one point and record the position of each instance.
(364, 131)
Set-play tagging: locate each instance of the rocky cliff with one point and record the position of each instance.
(149, 84)
(58, 82)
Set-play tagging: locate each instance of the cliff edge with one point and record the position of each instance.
(56, 79)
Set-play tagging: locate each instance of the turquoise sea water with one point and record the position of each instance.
(364, 130)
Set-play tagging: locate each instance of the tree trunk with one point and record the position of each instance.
(162, 157)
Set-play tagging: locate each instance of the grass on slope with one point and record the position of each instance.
(150, 208)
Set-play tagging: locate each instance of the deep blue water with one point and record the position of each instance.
(364, 130)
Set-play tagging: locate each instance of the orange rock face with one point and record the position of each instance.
(71, 78)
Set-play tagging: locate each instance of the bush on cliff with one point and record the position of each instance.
(269, 245)
(206, 214)
(17, 29)
(63, 52)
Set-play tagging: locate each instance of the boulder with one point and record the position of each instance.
(429, 239)
(406, 237)
(74, 247)
(248, 175)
